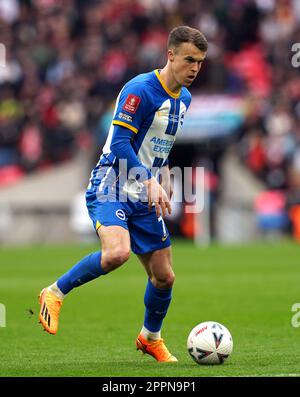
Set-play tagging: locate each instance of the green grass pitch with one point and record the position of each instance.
(250, 289)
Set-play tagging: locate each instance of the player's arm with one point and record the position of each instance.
(160, 193)
(122, 149)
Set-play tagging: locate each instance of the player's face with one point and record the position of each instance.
(186, 61)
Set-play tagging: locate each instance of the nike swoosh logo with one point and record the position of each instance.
(164, 238)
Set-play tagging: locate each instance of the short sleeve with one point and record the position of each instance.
(133, 106)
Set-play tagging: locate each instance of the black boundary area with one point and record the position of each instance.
(141, 385)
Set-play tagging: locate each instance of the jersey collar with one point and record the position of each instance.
(168, 91)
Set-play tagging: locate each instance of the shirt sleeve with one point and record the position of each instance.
(122, 149)
(133, 106)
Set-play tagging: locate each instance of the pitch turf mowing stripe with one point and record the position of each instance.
(250, 290)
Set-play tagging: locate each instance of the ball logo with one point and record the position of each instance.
(201, 330)
(121, 215)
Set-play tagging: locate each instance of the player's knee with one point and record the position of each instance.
(169, 280)
(114, 259)
(164, 281)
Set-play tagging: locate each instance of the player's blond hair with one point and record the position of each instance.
(186, 34)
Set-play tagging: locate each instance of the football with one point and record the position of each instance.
(209, 343)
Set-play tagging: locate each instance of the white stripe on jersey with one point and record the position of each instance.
(104, 178)
(157, 130)
(106, 147)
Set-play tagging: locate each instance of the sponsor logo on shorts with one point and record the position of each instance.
(164, 237)
(121, 215)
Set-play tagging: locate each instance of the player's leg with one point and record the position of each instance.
(150, 241)
(115, 251)
(115, 243)
(158, 295)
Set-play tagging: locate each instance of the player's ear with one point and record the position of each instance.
(170, 54)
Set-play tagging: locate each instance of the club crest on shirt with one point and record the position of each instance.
(132, 103)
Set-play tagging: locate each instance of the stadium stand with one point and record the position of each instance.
(66, 60)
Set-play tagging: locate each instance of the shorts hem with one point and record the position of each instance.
(152, 249)
(111, 224)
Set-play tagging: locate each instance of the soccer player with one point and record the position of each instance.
(125, 199)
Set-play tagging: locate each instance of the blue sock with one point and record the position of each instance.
(157, 301)
(86, 270)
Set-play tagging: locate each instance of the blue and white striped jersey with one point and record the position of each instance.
(154, 114)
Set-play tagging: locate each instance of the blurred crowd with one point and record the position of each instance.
(66, 60)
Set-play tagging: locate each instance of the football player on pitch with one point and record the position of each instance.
(124, 198)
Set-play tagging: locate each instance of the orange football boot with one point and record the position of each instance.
(156, 349)
(49, 312)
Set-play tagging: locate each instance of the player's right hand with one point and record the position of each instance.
(158, 196)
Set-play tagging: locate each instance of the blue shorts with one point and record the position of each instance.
(147, 232)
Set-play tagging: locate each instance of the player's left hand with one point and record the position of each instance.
(158, 196)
